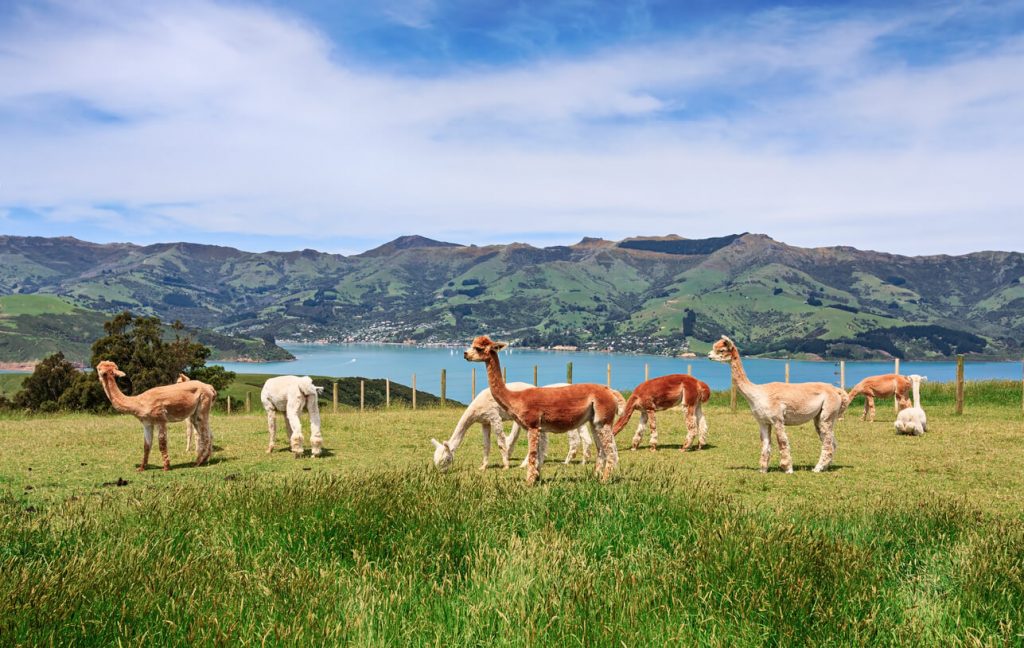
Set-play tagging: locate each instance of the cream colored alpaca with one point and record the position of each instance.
(913, 420)
(486, 411)
(156, 407)
(290, 394)
(553, 409)
(780, 404)
(190, 430)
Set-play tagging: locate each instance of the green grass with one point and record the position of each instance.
(908, 541)
(11, 305)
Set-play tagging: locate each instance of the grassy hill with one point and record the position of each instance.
(653, 294)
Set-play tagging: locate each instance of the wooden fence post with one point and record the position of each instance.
(568, 372)
(248, 402)
(960, 384)
(362, 395)
(444, 387)
(229, 403)
(472, 385)
(387, 392)
(609, 374)
(647, 372)
(414, 391)
(842, 375)
(787, 372)
(732, 395)
(896, 398)
(534, 375)
(689, 370)
(334, 396)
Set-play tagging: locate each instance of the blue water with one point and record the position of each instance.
(399, 363)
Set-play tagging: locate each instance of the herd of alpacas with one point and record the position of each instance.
(590, 414)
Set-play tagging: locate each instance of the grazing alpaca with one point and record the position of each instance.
(913, 420)
(289, 394)
(486, 411)
(184, 400)
(884, 386)
(553, 409)
(190, 430)
(780, 404)
(663, 393)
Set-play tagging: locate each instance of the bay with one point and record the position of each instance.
(399, 362)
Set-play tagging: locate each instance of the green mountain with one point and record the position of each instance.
(660, 294)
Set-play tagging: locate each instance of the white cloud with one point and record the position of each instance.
(221, 118)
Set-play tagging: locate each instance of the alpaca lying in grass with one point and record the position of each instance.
(486, 411)
(913, 420)
(290, 394)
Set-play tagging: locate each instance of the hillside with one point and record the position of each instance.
(35, 326)
(645, 293)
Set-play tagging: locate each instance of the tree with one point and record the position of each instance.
(43, 389)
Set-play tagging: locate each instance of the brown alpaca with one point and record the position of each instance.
(190, 430)
(160, 405)
(552, 409)
(780, 404)
(884, 386)
(666, 392)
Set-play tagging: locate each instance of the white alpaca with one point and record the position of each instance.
(486, 411)
(913, 420)
(290, 394)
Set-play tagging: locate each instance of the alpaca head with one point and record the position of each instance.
(481, 349)
(723, 350)
(443, 455)
(107, 368)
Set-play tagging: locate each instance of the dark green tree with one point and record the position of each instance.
(42, 390)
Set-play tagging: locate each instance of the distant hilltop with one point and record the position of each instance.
(660, 294)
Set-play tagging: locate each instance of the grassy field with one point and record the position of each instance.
(906, 541)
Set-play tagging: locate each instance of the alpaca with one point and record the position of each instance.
(780, 404)
(553, 409)
(190, 430)
(663, 393)
(289, 394)
(190, 400)
(913, 420)
(486, 411)
(884, 386)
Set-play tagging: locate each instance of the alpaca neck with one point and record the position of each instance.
(499, 391)
(460, 429)
(743, 384)
(117, 398)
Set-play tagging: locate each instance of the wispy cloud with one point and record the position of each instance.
(199, 119)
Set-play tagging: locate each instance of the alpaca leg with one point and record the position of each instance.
(162, 440)
(574, 444)
(542, 449)
(486, 425)
(201, 428)
(766, 446)
(640, 429)
(869, 408)
(587, 435)
(785, 459)
(147, 443)
(271, 425)
(691, 427)
(827, 445)
(190, 433)
(532, 470)
(295, 426)
(654, 430)
(610, 452)
(602, 456)
(316, 441)
(702, 425)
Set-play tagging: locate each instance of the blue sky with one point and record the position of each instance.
(341, 125)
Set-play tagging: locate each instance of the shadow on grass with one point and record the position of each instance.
(796, 468)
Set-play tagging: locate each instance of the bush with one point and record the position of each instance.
(44, 387)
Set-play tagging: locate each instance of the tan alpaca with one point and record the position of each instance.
(662, 393)
(552, 409)
(190, 430)
(883, 386)
(161, 405)
(780, 404)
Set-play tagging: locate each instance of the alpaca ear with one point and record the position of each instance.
(498, 346)
(437, 444)
(120, 374)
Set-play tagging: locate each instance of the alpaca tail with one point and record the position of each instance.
(847, 399)
(705, 392)
(630, 406)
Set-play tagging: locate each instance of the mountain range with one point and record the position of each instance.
(655, 294)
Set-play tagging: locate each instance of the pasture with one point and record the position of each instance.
(905, 541)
